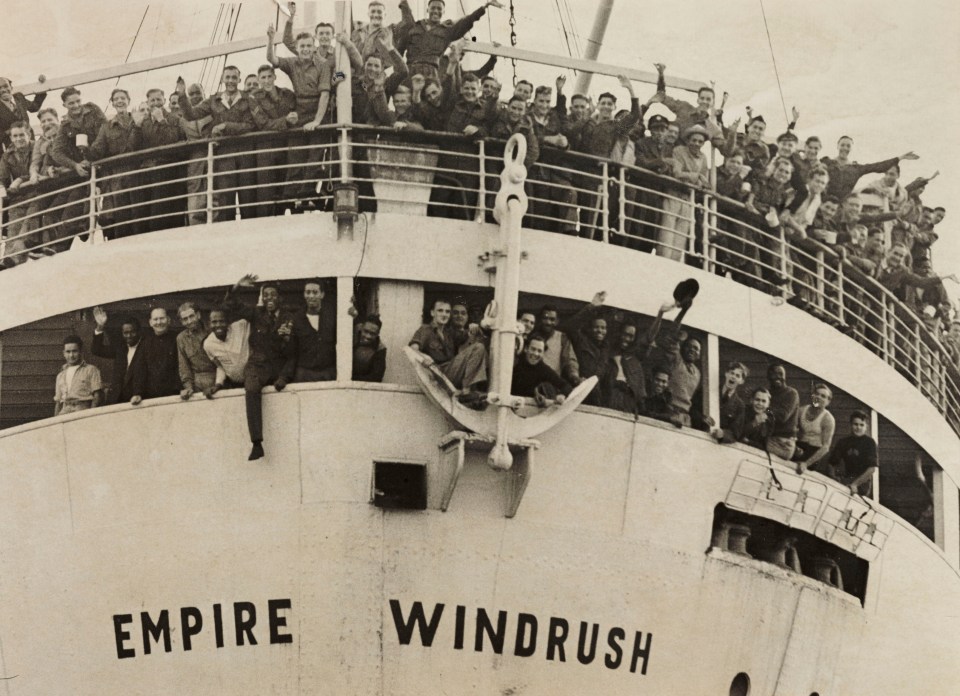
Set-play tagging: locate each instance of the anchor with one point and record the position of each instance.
(502, 425)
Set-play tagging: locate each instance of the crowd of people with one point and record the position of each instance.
(656, 373)
(249, 344)
(411, 76)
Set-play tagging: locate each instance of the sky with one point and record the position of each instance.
(885, 72)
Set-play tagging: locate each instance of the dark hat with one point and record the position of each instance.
(757, 118)
(657, 121)
(685, 291)
(789, 135)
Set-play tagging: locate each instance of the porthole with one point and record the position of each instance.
(740, 686)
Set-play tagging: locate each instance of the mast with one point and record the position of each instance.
(600, 21)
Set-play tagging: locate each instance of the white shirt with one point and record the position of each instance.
(231, 354)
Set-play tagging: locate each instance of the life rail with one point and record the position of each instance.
(448, 175)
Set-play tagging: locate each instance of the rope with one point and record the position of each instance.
(773, 57)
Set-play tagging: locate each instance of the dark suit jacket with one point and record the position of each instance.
(309, 348)
(128, 380)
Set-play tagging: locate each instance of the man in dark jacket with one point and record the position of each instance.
(530, 373)
(160, 355)
(311, 351)
(129, 365)
(270, 328)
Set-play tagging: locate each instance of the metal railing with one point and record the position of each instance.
(445, 175)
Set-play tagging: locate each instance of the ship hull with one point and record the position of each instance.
(143, 554)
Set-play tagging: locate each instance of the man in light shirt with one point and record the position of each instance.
(228, 347)
(78, 386)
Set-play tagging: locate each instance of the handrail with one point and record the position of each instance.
(596, 197)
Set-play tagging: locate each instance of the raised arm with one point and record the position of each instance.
(271, 49)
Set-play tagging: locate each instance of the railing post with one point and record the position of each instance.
(482, 193)
(885, 315)
(918, 355)
(92, 222)
(709, 209)
(605, 204)
(841, 293)
(3, 232)
(784, 267)
(210, 146)
(691, 244)
(346, 168)
(820, 281)
(622, 227)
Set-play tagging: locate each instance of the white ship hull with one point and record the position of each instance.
(107, 517)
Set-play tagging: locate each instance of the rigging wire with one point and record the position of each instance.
(577, 44)
(204, 66)
(233, 31)
(133, 43)
(773, 57)
(563, 26)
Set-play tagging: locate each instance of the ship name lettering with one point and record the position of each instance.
(492, 629)
(156, 631)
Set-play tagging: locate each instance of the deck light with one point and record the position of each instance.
(346, 201)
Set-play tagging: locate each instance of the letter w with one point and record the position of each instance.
(405, 627)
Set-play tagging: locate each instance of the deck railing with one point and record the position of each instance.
(444, 175)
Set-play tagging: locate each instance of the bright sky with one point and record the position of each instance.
(886, 72)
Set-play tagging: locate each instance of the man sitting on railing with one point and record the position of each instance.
(119, 135)
(70, 149)
(276, 112)
(270, 326)
(233, 113)
(14, 186)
